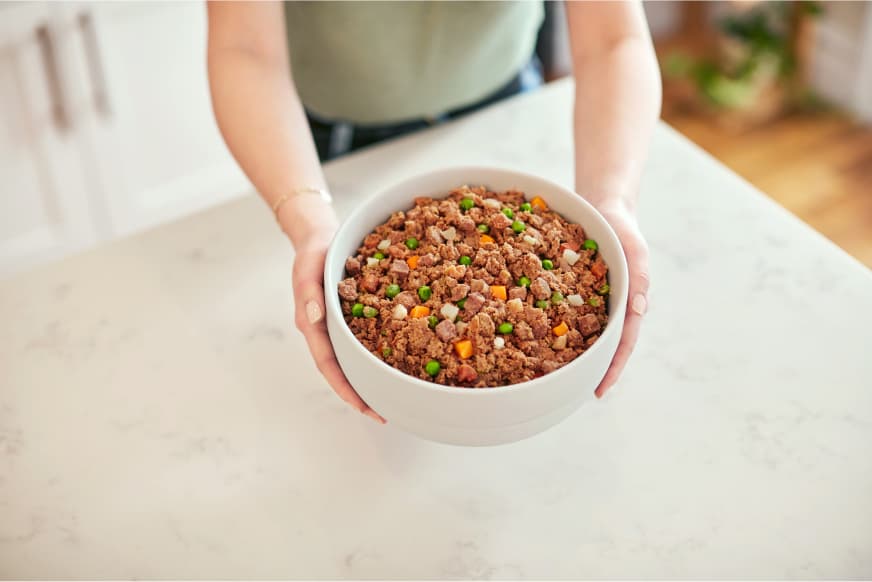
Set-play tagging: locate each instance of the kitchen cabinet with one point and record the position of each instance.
(157, 146)
(107, 126)
(45, 205)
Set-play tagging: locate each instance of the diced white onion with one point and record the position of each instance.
(460, 326)
(383, 245)
(559, 343)
(371, 261)
(575, 300)
(449, 311)
(571, 256)
(530, 240)
(449, 233)
(499, 343)
(400, 312)
(492, 203)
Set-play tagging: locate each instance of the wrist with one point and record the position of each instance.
(610, 196)
(308, 221)
(616, 205)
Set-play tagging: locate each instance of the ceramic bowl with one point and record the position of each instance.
(467, 416)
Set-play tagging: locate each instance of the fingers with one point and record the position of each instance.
(325, 360)
(636, 251)
(630, 334)
(309, 318)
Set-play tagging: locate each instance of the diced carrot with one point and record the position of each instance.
(598, 268)
(413, 261)
(419, 311)
(486, 239)
(538, 203)
(498, 291)
(561, 329)
(463, 348)
(570, 244)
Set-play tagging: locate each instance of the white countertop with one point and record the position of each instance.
(159, 416)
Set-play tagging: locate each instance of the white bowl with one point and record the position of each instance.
(466, 416)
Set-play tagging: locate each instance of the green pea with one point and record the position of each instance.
(524, 281)
(591, 245)
(432, 321)
(370, 312)
(483, 228)
(594, 301)
(542, 304)
(506, 328)
(557, 298)
(525, 207)
(357, 310)
(547, 264)
(392, 291)
(412, 243)
(508, 212)
(432, 368)
(461, 303)
(519, 226)
(378, 256)
(386, 351)
(424, 292)
(604, 290)
(465, 260)
(467, 203)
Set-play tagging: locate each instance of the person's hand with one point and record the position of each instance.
(624, 223)
(308, 282)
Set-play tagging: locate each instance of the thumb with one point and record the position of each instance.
(636, 250)
(640, 281)
(308, 286)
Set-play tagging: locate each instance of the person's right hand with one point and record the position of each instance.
(308, 283)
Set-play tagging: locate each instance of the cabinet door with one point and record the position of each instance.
(157, 146)
(45, 204)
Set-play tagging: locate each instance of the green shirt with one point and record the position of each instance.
(386, 62)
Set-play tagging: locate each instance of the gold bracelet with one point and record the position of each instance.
(325, 196)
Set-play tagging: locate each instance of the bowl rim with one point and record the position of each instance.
(335, 311)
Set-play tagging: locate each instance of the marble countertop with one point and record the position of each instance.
(159, 416)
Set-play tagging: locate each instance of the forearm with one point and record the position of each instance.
(264, 125)
(617, 104)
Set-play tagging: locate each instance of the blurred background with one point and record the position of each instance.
(106, 126)
(781, 92)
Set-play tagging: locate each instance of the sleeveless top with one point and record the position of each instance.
(389, 62)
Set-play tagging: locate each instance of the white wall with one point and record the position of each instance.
(841, 62)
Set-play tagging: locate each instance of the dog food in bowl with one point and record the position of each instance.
(477, 289)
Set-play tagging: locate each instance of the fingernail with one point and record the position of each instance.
(640, 304)
(373, 415)
(313, 312)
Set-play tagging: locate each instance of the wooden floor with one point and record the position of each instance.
(818, 166)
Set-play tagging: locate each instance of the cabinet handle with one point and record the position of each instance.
(95, 65)
(60, 113)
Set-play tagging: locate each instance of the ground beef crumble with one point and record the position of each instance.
(434, 290)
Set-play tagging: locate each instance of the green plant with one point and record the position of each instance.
(763, 46)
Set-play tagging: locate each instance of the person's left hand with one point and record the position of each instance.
(624, 223)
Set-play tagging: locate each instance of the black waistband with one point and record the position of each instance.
(507, 90)
(336, 137)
